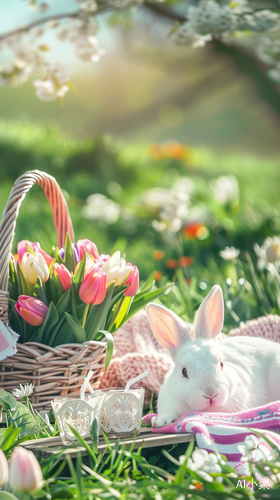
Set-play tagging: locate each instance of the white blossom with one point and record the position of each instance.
(89, 6)
(87, 48)
(101, 208)
(268, 253)
(186, 35)
(229, 253)
(209, 17)
(226, 189)
(54, 86)
(24, 391)
(258, 21)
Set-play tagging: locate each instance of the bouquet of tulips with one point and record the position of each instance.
(73, 295)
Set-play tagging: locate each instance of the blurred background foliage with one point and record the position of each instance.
(169, 207)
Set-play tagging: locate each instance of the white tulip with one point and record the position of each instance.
(116, 269)
(25, 471)
(34, 266)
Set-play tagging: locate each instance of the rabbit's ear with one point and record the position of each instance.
(168, 328)
(209, 318)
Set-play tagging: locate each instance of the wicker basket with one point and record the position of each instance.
(54, 371)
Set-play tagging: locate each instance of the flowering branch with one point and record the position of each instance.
(55, 17)
(207, 20)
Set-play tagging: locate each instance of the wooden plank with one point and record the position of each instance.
(53, 446)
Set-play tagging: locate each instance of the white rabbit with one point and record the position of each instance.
(230, 375)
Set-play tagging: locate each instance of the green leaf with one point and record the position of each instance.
(63, 304)
(43, 333)
(30, 250)
(7, 400)
(79, 276)
(64, 336)
(76, 327)
(83, 443)
(149, 283)
(9, 438)
(122, 312)
(39, 292)
(141, 302)
(69, 259)
(51, 340)
(94, 434)
(58, 284)
(23, 418)
(110, 347)
(97, 315)
(57, 256)
(23, 289)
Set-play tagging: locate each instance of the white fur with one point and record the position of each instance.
(250, 376)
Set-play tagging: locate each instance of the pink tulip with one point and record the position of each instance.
(4, 470)
(64, 276)
(32, 310)
(87, 245)
(25, 471)
(132, 281)
(21, 250)
(93, 288)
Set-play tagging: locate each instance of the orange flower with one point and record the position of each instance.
(158, 275)
(158, 254)
(186, 261)
(170, 150)
(199, 486)
(171, 263)
(194, 230)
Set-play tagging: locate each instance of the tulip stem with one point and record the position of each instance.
(85, 315)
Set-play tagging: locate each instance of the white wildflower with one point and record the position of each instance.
(252, 449)
(268, 253)
(159, 226)
(101, 208)
(174, 216)
(24, 391)
(87, 48)
(229, 253)
(209, 17)
(226, 189)
(203, 463)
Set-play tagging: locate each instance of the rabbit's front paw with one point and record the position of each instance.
(166, 419)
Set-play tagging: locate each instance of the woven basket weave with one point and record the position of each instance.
(53, 371)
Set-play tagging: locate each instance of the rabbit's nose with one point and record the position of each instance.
(210, 392)
(211, 397)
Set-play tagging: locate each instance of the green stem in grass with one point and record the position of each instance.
(85, 315)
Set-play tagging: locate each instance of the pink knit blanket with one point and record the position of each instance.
(224, 432)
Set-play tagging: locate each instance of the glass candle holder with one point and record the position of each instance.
(77, 413)
(122, 411)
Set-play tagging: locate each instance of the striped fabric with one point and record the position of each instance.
(223, 432)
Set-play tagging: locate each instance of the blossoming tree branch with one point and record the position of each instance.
(193, 22)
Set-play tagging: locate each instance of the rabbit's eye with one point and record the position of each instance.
(222, 365)
(185, 373)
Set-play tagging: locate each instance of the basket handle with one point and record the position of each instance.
(61, 217)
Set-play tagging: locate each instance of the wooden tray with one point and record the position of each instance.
(44, 448)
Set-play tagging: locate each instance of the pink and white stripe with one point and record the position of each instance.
(223, 432)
